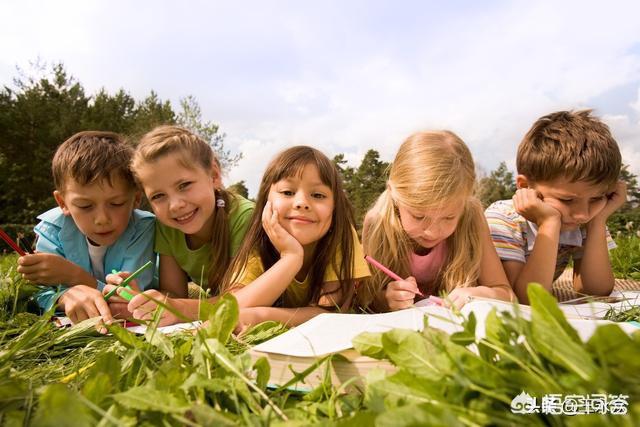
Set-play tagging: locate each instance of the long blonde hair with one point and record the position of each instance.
(430, 170)
(192, 151)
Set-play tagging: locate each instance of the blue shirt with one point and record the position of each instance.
(58, 234)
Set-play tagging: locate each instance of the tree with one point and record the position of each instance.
(633, 191)
(239, 188)
(113, 113)
(35, 118)
(499, 185)
(191, 118)
(150, 113)
(364, 184)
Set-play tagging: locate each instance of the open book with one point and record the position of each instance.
(332, 334)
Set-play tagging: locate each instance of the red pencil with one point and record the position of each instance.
(11, 243)
(386, 271)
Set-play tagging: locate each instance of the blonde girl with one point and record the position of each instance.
(200, 225)
(301, 255)
(428, 227)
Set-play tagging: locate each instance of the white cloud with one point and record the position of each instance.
(347, 77)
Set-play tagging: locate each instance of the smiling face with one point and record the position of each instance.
(181, 197)
(578, 202)
(100, 210)
(428, 227)
(304, 205)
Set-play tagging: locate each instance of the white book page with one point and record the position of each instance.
(141, 329)
(332, 332)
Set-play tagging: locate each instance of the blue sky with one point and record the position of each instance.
(349, 76)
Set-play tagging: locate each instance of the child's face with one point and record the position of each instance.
(429, 227)
(304, 204)
(100, 211)
(578, 202)
(181, 197)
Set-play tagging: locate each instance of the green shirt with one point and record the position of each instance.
(171, 241)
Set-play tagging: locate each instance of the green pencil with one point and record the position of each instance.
(126, 281)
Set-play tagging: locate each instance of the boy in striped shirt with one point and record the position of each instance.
(567, 187)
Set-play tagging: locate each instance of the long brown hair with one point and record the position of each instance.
(289, 163)
(192, 151)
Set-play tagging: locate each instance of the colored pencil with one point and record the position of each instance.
(11, 243)
(386, 271)
(126, 281)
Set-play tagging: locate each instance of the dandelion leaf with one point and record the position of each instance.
(369, 344)
(223, 318)
(150, 399)
(59, 406)
(554, 338)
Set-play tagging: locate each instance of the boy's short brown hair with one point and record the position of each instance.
(92, 156)
(569, 144)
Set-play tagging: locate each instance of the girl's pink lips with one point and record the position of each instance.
(184, 219)
(300, 219)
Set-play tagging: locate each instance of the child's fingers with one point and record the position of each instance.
(114, 279)
(29, 259)
(103, 309)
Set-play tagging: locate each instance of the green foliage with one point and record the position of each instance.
(191, 118)
(459, 386)
(365, 183)
(39, 113)
(625, 258)
(499, 185)
(75, 376)
(633, 189)
(239, 188)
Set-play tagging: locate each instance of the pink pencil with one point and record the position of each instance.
(386, 271)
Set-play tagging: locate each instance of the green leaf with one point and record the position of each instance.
(545, 306)
(418, 415)
(554, 338)
(207, 416)
(107, 363)
(159, 340)
(126, 338)
(407, 350)
(263, 372)
(223, 318)
(150, 399)
(369, 344)
(97, 387)
(59, 406)
(468, 334)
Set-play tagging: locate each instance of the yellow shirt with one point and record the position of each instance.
(296, 293)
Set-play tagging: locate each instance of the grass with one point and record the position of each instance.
(625, 259)
(51, 376)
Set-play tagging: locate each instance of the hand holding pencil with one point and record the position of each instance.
(400, 293)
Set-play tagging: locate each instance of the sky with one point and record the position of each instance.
(348, 76)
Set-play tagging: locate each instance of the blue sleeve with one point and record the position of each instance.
(49, 242)
(139, 252)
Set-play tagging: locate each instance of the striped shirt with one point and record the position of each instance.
(514, 237)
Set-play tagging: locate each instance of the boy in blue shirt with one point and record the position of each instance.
(95, 229)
